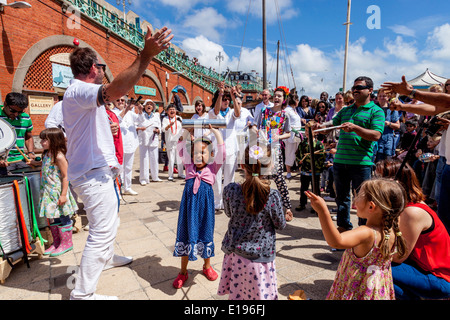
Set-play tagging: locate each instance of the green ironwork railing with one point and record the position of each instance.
(201, 75)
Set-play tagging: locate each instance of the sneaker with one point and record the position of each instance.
(157, 180)
(117, 261)
(300, 208)
(328, 198)
(181, 176)
(289, 175)
(130, 192)
(166, 168)
(210, 274)
(144, 183)
(180, 280)
(175, 170)
(170, 178)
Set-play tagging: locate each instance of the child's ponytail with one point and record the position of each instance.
(390, 197)
(256, 187)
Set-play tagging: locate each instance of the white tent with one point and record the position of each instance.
(427, 79)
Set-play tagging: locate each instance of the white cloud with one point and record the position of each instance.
(205, 51)
(285, 8)
(206, 22)
(401, 49)
(403, 30)
(439, 42)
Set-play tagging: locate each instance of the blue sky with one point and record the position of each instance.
(399, 37)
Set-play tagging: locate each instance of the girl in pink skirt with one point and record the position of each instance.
(255, 211)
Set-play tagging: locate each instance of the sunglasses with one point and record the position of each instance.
(11, 110)
(101, 65)
(359, 88)
(225, 99)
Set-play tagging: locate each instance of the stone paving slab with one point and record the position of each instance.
(147, 232)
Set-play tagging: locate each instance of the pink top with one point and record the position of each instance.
(208, 173)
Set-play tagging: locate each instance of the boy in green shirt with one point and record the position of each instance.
(12, 112)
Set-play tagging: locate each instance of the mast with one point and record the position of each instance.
(348, 23)
(264, 45)
(278, 59)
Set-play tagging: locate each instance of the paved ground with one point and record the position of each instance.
(147, 232)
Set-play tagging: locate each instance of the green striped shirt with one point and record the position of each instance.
(22, 124)
(352, 149)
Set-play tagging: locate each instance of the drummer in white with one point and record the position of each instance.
(148, 128)
(91, 153)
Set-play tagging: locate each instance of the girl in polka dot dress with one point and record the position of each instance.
(195, 231)
(255, 211)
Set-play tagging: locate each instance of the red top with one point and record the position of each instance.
(432, 250)
(117, 137)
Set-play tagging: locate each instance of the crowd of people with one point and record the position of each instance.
(383, 155)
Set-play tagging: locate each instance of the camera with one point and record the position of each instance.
(433, 126)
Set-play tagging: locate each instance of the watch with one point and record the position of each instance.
(412, 94)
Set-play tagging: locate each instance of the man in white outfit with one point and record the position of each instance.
(149, 128)
(172, 126)
(128, 115)
(265, 103)
(91, 153)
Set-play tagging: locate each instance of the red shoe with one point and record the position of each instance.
(210, 274)
(166, 168)
(180, 280)
(175, 170)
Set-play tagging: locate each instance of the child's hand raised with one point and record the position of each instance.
(317, 202)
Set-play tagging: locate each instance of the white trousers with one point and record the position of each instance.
(289, 152)
(100, 198)
(127, 171)
(228, 170)
(173, 156)
(148, 157)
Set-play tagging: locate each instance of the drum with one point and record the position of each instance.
(7, 138)
(10, 233)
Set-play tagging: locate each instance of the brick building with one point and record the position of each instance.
(36, 43)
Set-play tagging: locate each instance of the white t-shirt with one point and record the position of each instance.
(228, 133)
(199, 132)
(55, 117)
(174, 132)
(148, 137)
(90, 142)
(128, 128)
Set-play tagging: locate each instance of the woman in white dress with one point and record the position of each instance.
(149, 128)
(200, 113)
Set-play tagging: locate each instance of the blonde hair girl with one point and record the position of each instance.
(364, 272)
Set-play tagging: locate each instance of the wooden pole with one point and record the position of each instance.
(348, 23)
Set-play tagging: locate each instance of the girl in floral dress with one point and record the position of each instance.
(273, 123)
(364, 272)
(56, 201)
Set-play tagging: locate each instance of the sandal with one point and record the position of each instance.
(180, 280)
(210, 274)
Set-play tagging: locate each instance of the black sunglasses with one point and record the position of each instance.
(358, 88)
(11, 110)
(101, 65)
